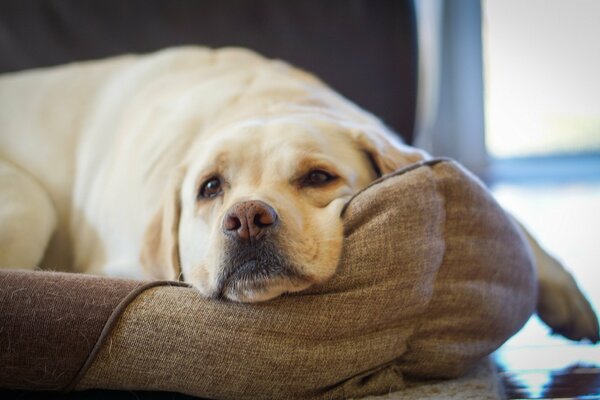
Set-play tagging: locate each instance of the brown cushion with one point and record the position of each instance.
(433, 277)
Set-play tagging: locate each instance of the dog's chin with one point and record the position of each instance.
(255, 281)
(255, 291)
(252, 273)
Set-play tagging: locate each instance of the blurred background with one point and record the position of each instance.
(510, 88)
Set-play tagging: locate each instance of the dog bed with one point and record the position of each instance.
(433, 277)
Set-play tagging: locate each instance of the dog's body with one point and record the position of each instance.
(186, 159)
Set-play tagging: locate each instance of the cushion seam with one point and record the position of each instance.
(111, 323)
(398, 172)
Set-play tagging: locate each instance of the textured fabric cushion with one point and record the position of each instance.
(433, 277)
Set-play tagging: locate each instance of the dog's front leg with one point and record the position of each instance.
(27, 218)
(560, 303)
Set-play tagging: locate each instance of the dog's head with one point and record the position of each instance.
(255, 210)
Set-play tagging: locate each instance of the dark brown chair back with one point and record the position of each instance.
(365, 49)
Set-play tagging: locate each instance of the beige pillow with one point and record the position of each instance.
(433, 277)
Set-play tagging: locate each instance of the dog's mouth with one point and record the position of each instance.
(253, 272)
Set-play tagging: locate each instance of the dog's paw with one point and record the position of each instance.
(562, 306)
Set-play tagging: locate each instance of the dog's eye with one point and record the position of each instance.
(317, 178)
(211, 188)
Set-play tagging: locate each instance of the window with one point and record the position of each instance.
(511, 88)
(542, 77)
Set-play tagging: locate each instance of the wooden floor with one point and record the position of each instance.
(534, 364)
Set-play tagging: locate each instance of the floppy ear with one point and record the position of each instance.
(160, 246)
(385, 152)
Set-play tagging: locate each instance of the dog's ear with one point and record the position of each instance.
(160, 246)
(385, 152)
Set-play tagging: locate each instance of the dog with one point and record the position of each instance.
(219, 167)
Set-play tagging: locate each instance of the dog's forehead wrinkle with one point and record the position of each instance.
(262, 164)
(268, 143)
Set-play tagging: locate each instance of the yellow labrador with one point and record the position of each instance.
(218, 166)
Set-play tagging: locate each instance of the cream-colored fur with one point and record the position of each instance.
(105, 159)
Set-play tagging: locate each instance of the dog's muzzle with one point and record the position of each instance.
(252, 258)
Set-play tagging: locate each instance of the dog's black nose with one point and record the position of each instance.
(249, 219)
